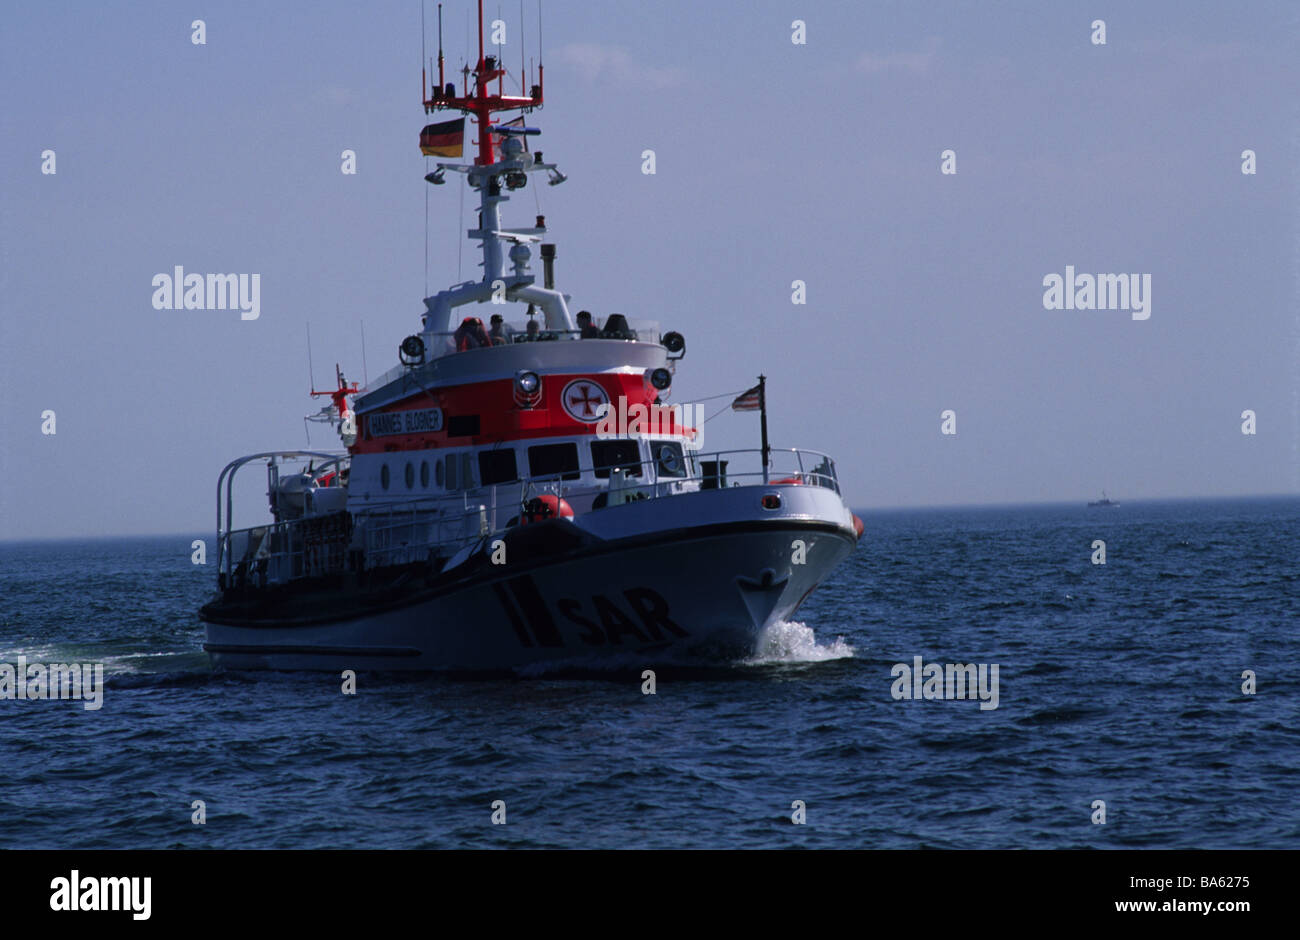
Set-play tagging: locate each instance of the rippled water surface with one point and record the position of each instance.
(1119, 683)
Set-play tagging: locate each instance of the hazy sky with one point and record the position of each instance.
(775, 162)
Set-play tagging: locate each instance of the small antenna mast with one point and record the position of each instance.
(310, 374)
(424, 79)
(365, 370)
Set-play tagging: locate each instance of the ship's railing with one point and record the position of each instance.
(447, 342)
(272, 533)
(401, 532)
(408, 534)
(278, 552)
(432, 529)
(425, 521)
(285, 550)
(662, 476)
(653, 479)
(442, 343)
(392, 375)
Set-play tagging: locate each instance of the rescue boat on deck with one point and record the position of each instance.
(487, 512)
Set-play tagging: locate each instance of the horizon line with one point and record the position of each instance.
(909, 507)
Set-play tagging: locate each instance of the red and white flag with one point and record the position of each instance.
(747, 401)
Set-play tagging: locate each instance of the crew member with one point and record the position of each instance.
(589, 331)
(471, 334)
(498, 333)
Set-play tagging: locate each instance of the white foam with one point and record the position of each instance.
(115, 664)
(793, 642)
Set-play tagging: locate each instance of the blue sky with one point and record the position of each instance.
(775, 162)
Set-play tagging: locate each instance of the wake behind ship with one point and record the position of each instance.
(519, 493)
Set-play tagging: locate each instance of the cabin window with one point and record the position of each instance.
(437, 472)
(553, 460)
(623, 454)
(669, 461)
(410, 475)
(453, 471)
(467, 471)
(497, 466)
(462, 425)
(383, 475)
(424, 474)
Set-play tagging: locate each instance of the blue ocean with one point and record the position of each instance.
(1119, 683)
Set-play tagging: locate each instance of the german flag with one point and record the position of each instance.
(443, 140)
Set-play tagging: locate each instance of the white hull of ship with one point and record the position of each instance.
(703, 597)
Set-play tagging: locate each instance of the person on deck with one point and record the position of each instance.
(589, 330)
(498, 333)
(471, 334)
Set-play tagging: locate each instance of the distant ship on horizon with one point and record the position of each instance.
(1103, 502)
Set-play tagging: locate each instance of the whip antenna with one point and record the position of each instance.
(365, 371)
(310, 375)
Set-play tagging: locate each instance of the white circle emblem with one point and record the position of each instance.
(582, 400)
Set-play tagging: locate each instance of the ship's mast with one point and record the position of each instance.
(488, 174)
(342, 415)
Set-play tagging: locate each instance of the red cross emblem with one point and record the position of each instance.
(582, 399)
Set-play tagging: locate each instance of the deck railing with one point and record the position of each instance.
(432, 528)
(440, 343)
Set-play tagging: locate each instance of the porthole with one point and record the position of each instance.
(424, 474)
(410, 475)
(383, 475)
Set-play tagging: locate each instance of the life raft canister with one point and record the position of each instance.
(857, 524)
(545, 507)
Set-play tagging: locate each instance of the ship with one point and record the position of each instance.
(1103, 503)
(486, 511)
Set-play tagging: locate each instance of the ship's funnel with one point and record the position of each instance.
(548, 265)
